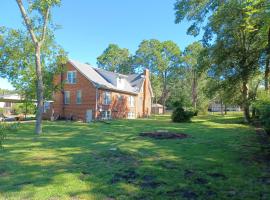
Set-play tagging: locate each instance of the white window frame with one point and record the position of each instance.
(131, 101)
(65, 97)
(131, 115)
(79, 97)
(107, 98)
(106, 114)
(72, 79)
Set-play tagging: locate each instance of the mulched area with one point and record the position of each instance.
(164, 135)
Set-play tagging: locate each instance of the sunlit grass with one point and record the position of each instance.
(101, 161)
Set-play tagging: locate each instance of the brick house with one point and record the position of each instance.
(90, 93)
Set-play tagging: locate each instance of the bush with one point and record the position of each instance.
(262, 110)
(181, 115)
(4, 129)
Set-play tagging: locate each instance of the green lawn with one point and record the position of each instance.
(222, 159)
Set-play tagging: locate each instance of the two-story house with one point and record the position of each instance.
(90, 93)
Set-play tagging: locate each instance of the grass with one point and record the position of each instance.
(222, 159)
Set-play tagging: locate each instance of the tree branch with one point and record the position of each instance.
(46, 18)
(27, 21)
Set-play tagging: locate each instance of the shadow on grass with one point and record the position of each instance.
(73, 160)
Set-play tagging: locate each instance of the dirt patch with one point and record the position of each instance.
(217, 175)
(3, 173)
(200, 181)
(116, 156)
(188, 173)
(265, 180)
(23, 183)
(150, 182)
(168, 164)
(164, 135)
(184, 193)
(128, 176)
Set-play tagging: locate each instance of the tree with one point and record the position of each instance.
(235, 37)
(191, 70)
(115, 59)
(37, 28)
(163, 60)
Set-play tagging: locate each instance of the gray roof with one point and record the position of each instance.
(101, 78)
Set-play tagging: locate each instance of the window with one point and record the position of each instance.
(106, 114)
(120, 97)
(71, 77)
(131, 101)
(67, 97)
(79, 97)
(46, 106)
(106, 98)
(131, 115)
(7, 104)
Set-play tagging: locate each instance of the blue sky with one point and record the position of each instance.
(89, 26)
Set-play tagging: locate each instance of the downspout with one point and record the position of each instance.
(96, 102)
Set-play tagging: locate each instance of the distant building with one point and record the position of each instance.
(157, 109)
(216, 106)
(7, 101)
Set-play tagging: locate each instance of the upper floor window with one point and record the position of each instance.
(131, 101)
(106, 98)
(79, 97)
(67, 97)
(71, 77)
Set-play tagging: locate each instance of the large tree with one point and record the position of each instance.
(163, 59)
(17, 62)
(115, 59)
(235, 36)
(37, 26)
(192, 72)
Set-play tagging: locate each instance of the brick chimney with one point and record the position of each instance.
(146, 94)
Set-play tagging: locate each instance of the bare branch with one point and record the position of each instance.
(46, 18)
(27, 21)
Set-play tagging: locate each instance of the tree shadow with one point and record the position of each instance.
(113, 161)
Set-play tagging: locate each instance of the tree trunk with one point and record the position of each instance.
(245, 102)
(194, 90)
(267, 66)
(164, 91)
(225, 110)
(221, 108)
(40, 91)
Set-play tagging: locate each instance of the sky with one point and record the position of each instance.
(89, 26)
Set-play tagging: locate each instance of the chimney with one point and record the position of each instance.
(146, 94)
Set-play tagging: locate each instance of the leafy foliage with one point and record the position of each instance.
(163, 59)
(262, 108)
(181, 115)
(5, 128)
(235, 35)
(115, 59)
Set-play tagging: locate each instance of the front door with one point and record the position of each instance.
(88, 115)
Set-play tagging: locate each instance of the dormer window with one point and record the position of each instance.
(71, 77)
(120, 83)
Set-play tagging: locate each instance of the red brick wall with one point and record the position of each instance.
(77, 111)
(118, 108)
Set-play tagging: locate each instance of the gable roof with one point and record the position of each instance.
(108, 80)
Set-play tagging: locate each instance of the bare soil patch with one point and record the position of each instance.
(164, 135)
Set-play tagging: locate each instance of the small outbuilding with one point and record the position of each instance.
(157, 109)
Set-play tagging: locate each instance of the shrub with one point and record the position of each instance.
(262, 110)
(4, 129)
(181, 115)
